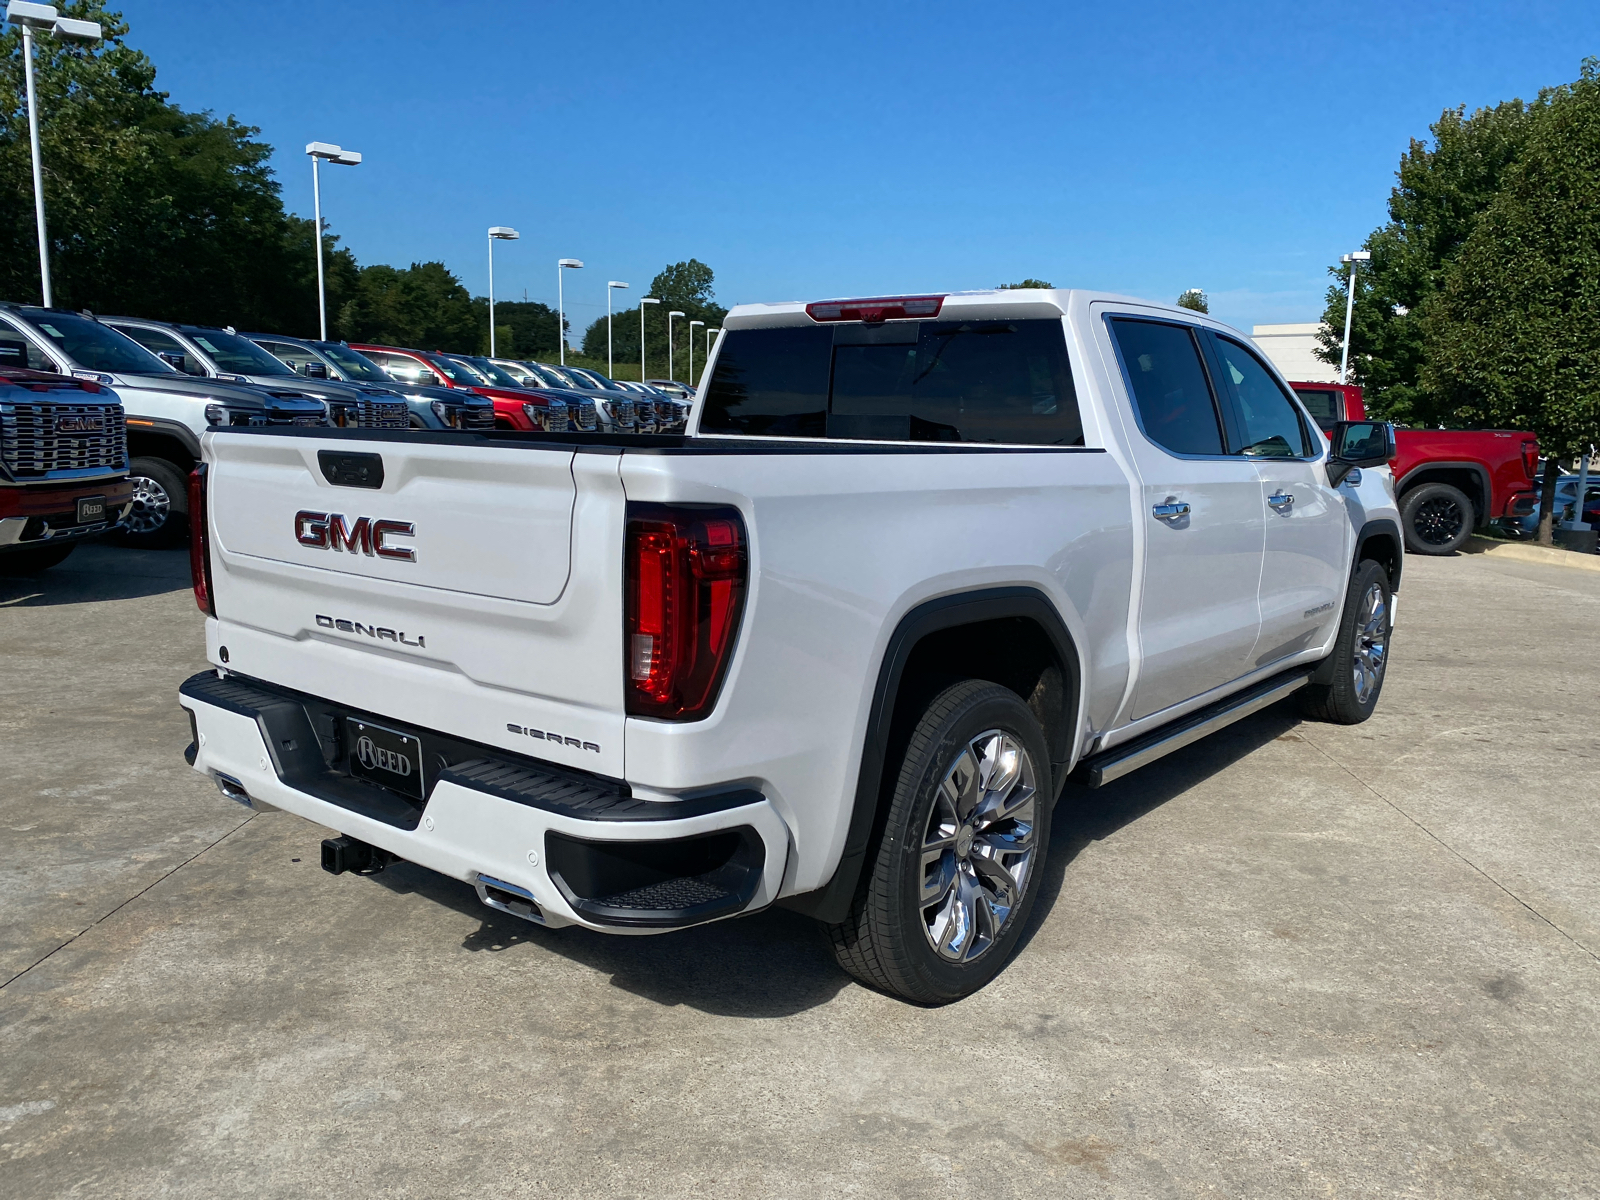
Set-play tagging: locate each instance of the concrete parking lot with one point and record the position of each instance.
(1292, 960)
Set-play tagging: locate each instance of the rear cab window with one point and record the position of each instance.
(951, 381)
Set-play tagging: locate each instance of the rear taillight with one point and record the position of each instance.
(878, 308)
(1530, 457)
(686, 572)
(199, 549)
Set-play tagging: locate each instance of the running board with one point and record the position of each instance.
(1112, 764)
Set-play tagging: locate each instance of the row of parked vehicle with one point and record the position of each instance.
(127, 428)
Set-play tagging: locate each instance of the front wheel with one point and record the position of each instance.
(957, 871)
(1354, 671)
(159, 516)
(1437, 519)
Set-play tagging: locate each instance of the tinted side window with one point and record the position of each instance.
(770, 381)
(1169, 386)
(157, 342)
(1270, 426)
(1324, 404)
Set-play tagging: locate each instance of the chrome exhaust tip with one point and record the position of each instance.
(234, 790)
(508, 898)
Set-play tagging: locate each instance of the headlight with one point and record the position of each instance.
(221, 414)
(553, 417)
(451, 417)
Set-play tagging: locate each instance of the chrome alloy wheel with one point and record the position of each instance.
(979, 846)
(1438, 521)
(1372, 642)
(151, 506)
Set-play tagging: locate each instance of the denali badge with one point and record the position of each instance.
(80, 423)
(328, 531)
(376, 632)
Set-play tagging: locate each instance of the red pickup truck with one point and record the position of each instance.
(1447, 481)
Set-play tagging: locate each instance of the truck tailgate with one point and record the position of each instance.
(476, 590)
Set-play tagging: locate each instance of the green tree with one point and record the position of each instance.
(1512, 335)
(1026, 283)
(423, 306)
(526, 329)
(1195, 300)
(152, 210)
(683, 287)
(1441, 190)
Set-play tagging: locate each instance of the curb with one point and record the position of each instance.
(1550, 556)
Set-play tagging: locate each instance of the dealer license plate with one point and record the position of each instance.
(385, 757)
(91, 509)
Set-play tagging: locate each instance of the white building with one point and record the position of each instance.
(1292, 349)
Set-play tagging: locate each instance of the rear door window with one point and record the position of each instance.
(935, 381)
(1269, 422)
(1164, 372)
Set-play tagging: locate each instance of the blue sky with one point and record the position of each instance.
(824, 149)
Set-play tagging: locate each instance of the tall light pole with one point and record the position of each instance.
(565, 264)
(709, 332)
(319, 152)
(643, 300)
(1360, 256)
(44, 19)
(497, 233)
(611, 367)
(692, 324)
(670, 315)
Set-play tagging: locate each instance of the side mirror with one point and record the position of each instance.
(173, 358)
(314, 370)
(1355, 444)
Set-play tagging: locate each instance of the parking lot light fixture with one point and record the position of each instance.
(325, 152)
(43, 18)
(564, 264)
(709, 334)
(611, 367)
(643, 300)
(1360, 256)
(692, 324)
(670, 315)
(497, 233)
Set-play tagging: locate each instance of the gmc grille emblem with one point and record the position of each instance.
(80, 424)
(366, 535)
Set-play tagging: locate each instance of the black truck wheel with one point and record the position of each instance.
(1437, 519)
(956, 874)
(160, 514)
(1345, 688)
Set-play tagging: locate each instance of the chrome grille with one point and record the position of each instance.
(384, 414)
(477, 416)
(33, 445)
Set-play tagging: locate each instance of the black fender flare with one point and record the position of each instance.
(161, 427)
(1476, 469)
(831, 902)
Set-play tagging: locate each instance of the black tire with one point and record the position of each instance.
(31, 562)
(160, 514)
(1346, 687)
(888, 939)
(1437, 518)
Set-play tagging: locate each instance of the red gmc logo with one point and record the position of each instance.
(328, 531)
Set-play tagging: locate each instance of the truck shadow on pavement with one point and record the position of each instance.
(97, 572)
(776, 963)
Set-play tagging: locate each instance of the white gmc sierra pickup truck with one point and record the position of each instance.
(915, 562)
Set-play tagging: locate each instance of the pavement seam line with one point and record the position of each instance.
(112, 912)
(1449, 849)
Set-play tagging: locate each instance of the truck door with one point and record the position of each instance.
(1204, 526)
(1303, 570)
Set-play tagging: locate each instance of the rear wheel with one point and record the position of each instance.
(159, 516)
(30, 562)
(1437, 519)
(957, 871)
(1360, 656)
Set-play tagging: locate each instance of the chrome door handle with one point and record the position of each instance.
(1169, 511)
(1281, 501)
